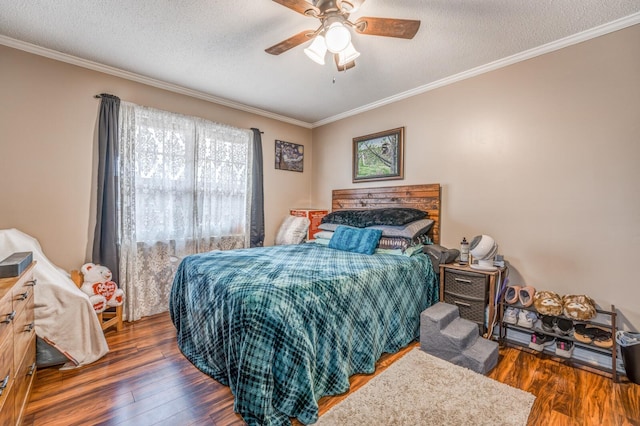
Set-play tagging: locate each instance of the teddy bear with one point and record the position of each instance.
(97, 284)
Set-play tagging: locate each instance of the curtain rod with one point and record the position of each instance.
(107, 94)
(101, 95)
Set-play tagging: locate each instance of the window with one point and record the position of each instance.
(184, 188)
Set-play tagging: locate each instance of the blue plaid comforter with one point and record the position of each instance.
(286, 325)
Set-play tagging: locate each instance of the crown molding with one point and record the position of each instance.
(95, 66)
(598, 31)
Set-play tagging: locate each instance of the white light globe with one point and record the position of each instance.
(347, 55)
(317, 50)
(337, 37)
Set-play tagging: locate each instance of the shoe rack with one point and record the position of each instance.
(600, 321)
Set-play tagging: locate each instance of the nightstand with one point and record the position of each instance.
(471, 290)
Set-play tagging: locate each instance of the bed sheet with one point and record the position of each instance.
(286, 325)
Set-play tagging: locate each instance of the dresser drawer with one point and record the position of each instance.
(7, 407)
(6, 373)
(24, 331)
(24, 378)
(471, 309)
(23, 292)
(17, 344)
(466, 284)
(7, 314)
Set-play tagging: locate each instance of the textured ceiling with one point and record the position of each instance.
(217, 47)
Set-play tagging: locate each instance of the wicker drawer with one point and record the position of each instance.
(471, 309)
(466, 284)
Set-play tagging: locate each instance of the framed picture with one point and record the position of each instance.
(379, 156)
(289, 156)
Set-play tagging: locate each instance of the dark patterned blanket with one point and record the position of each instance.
(286, 325)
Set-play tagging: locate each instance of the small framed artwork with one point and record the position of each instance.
(379, 156)
(289, 156)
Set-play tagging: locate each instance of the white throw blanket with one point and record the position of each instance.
(64, 316)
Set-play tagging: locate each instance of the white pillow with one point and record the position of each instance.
(293, 230)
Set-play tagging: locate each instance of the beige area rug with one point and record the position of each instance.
(420, 389)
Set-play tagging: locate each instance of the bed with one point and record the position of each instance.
(285, 325)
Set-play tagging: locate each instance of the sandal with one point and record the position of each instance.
(511, 295)
(603, 338)
(590, 334)
(525, 295)
(583, 333)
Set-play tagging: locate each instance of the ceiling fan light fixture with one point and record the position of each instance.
(347, 55)
(337, 37)
(317, 50)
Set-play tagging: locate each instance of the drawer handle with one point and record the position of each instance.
(23, 296)
(32, 282)
(466, 305)
(32, 369)
(460, 280)
(9, 318)
(4, 384)
(29, 327)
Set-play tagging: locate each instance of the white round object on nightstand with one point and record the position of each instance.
(483, 248)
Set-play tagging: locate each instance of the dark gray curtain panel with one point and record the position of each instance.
(257, 202)
(105, 239)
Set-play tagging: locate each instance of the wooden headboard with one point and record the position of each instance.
(422, 197)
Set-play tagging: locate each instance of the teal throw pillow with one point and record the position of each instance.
(356, 240)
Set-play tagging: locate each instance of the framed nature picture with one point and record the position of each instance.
(289, 156)
(379, 156)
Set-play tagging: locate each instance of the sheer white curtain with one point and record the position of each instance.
(184, 188)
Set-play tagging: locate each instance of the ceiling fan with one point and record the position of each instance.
(334, 35)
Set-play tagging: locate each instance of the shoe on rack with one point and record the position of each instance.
(511, 294)
(564, 327)
(547, 323)
(547, 303)
(526, 318)
(603, 338)
(583, 333)
(511, 315)
(525, 295)
(564, 348)
(540, 340)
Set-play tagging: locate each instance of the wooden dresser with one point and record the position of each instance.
(17, 345)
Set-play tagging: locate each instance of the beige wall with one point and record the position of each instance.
(543, 155)
(48, 121)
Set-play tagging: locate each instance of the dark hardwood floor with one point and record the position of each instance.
(145, 380)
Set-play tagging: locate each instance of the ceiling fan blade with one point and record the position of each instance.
(300, 6)
(291, 42)
(387, 27)
(349, 6)
(344, 67)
